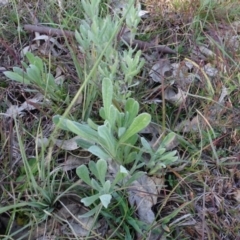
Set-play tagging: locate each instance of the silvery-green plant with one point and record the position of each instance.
(159, 158)
(103, 189)
(37, 75)
(93, 36)
(114, 140)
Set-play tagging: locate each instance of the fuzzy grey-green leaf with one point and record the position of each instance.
(99, 152)
(87, 201)
(139, 123)
(83, 174)
(16, 77)
(102, 170)
(107, 93)
(105, 199)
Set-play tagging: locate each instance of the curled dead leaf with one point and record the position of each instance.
(175, 96)
(80, 226)
(161, 70)
(73, 162)
(69, 144)
(210, 71)
(189, 125)
(142, 194)
(18, 111)
(207, 52)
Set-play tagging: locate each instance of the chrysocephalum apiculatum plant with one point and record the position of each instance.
(37, 75)
(94, 35)
(116, 140)
(113, 141)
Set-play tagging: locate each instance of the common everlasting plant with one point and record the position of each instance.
(94, 34)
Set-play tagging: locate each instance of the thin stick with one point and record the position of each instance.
(134, 43)
(48, 30)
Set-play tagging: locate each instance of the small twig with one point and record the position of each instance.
(134, 43)
(147, 46)
(48, 30)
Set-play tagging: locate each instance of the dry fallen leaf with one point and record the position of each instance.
(154, 131)
(71, 213)
(143, 195)
(2, 69)
(29, 48)
(185, 74)
(15, 111)
(73, 162)
(189, 125)
(69, 144)
(59, 77)
(4, 2)
(159, 182)
(207, 52)
(161, 70)
(176, 98)
(224, 93)
(143, 13)
(210, 71)
(80, 226)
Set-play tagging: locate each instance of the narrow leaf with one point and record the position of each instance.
(121, 131)
(39, 63)
(83, 143)
(90, 212)
(83, 174)
(102, 170)
(19, 71)
(34, 73)
(132, 107)
(121, 174)
(160, 151)
(134, 177)
(139, 123)
(87, 201)
(107, 186)
(102, 113)
(168, 140)
(16, 77)
(92, 124)
(168, 155)
(93, 168)
(105, 199)
(109, 140)
(30, 57)
(131, 158)
(99, 152)
(81, 130)
(95, 185)
(114, 112)
(107, 93)
(145, 144)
